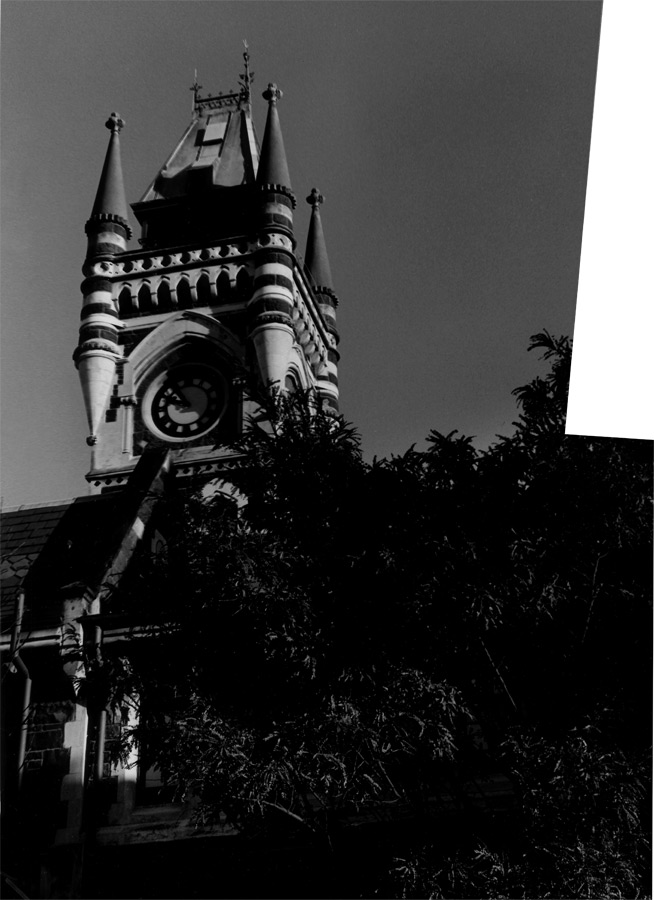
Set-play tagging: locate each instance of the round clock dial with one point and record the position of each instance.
(186, 402)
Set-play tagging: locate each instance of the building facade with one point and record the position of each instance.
(180, 334)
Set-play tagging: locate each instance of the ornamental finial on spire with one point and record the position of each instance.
(247, 77)
(273, 168)
(272, 94)
(316, 258)
(114, 123)
(110, 205)
(196, 88)
(315, 198)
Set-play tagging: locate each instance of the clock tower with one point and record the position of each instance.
(215, 300)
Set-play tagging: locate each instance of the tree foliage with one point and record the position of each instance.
(370, 641)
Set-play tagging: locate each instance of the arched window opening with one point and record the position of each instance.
(184, 298)
(243, 283)
(164, 297)
(224, 287)
(125, 305)
(145, 298)
(204, 291)
(291, 383)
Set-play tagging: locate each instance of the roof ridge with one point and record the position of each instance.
(43, 504)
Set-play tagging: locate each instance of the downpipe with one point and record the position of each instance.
(17, 664)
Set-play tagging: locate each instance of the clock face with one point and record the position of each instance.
(185, 402)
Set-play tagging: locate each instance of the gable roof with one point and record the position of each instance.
(60, 550)
(45, 547)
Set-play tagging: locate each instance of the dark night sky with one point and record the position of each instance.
(450, 140)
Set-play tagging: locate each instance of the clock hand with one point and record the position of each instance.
(181, 399)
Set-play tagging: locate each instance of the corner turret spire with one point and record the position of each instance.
(273, 168)
(317, 264)
(110, 204)
(316, 259)
(108, 232)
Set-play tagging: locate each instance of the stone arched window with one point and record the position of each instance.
(291, 382)
(125, 305)
(145, 298)
(243, 284)
(224, 287)
(164, 297)
(203, 289)
(184, 296)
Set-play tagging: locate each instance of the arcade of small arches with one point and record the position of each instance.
(182, 291)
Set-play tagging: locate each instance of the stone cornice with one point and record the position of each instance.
(140, 264)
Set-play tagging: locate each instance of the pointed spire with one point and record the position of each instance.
(110, 204)
(273, 168)
(317, 263)
(316, 259)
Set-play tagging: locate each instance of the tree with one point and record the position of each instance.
(327, 714)
(565, 570)
(364, 641)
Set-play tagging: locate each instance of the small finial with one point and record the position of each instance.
(195, 87)
(315, 198)
(247, 77)
(92, 440)
(114, 123)
(272, 94)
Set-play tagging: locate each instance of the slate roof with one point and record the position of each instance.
(220, 141)
(43, 548)
(56, 551)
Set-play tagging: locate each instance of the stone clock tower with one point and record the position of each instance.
(215, 299)
(181, 334)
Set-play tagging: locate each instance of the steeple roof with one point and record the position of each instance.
(110, 204)
(219, 145)
(316, 259)
(273, 168)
